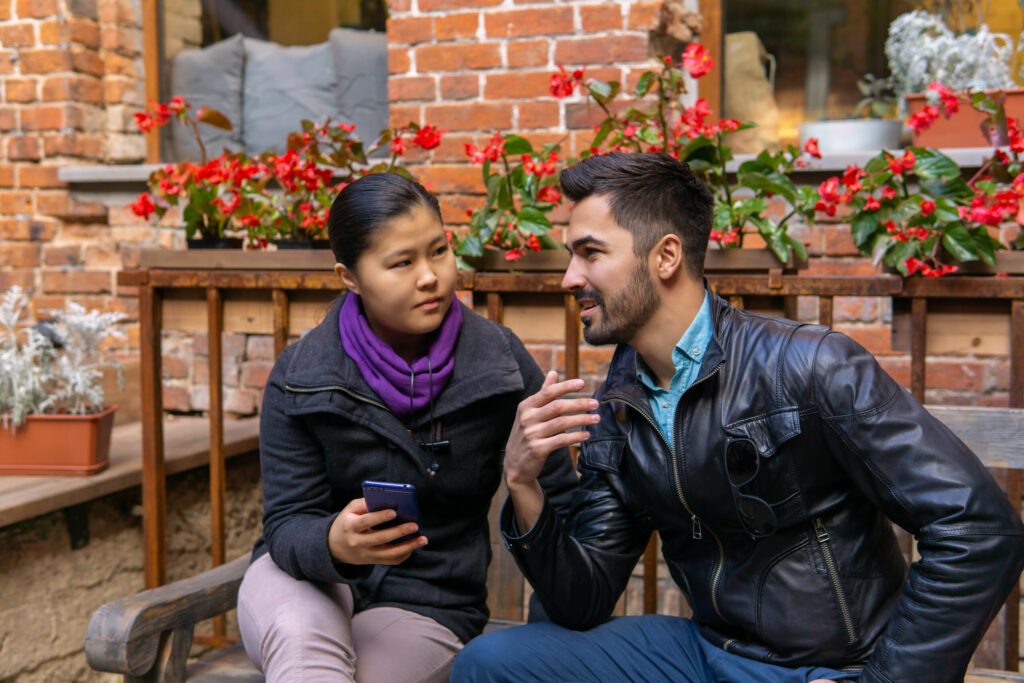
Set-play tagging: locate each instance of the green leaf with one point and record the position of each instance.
(646, 81)
(516, 145)
(649, 134)
(878, 248)
(863, 226)
(533, 221)
(957, 241)
(950, 188)
(934, 164)
(946, 210)
(471, 246)
(984, 103)
(877, 163)
(774, 183)
(985, 246)
(602, 132)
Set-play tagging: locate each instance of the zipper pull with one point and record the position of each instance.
(698, 533)
(822, 532)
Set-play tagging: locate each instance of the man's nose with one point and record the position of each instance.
(573, 278)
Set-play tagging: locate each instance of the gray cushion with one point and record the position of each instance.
(211, 77)
(283, 86)
(361, 62)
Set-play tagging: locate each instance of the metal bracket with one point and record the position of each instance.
(76, 517)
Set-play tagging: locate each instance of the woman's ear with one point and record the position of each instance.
(667, 257)
(347, 277)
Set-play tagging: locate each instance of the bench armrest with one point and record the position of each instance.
(126, 635)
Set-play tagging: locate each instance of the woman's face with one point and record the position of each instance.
(406, 279)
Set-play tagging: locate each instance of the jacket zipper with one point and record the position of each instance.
(334, 387)
(826, 550)
(697, 528)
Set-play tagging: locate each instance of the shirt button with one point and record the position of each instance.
(664, 404)
(696, 351)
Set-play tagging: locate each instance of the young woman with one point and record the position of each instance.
(400, 383)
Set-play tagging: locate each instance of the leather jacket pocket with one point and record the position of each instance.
(776, 481)
(602, 454)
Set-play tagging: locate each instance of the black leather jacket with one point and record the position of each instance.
(844, 449)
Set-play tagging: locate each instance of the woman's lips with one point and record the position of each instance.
(429, 305)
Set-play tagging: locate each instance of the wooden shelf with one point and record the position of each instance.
(187, 446)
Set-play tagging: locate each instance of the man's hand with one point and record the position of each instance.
(351, 539)
(539, 430)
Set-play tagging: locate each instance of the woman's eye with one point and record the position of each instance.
(402, 264)
(440, 250)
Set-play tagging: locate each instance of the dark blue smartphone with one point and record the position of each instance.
(383, 495)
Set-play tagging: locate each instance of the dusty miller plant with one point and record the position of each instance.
(921, 49)
(57, 368)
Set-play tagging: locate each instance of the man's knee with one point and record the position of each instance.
(491, 657)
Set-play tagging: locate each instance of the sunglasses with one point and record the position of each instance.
(742, 462)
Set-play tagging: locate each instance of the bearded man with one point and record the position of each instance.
(770, 456)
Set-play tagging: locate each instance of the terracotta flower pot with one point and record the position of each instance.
(965, 128)
(58, 444)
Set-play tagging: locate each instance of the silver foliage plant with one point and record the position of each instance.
(921, 49)
(56, 367)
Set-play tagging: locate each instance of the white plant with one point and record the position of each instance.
(921, 49)
(56, 368)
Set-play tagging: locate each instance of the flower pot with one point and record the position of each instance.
(302, 244)
(852, 135)
(215, 243)
(58, 444)
(965, 128)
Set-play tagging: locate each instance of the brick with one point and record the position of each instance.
(5, 10)
(403, 114)
(454, 179)
(86, 61)
(518, 85)
(6, 175)
(36, 9)
(77, 88)
(176, 399)
(120, 38)
(955, 375)
(470, 116)
(38, 176)
(838, 241)
(44, 117)
(595, 18)
(24, 148)
(62, 205)
(455, 26)
(402, 88)
(529, 22)
(398, 60)
(855, 309)
(644, 16)
(593, 360)
(124, 12)
(898, 369)
(410, 30)
(86, 9)
(538, 115)
(241, 401)
(587, 115)
(45, 61)
(604, 50)
(255, 373)
(6, 62)
(15, 202)
(998, 376)
(27, 230)
(116, 91)
(174, 367)
(8, 118)
(453, 147)
(19, 255)
(232, 344)
(25, 279)
(259, 347)
(437, 58)
(875, 338)
(460, 87)
(62, 255)
(77, 281)
(52, 32)
(20, 89)
(119, 65)
(454, 207)
(436, 5)
(85, 32)
(397, 6)
(830, 266)
(528, 53)
(17, 35)
(102, 255)
(74, 144)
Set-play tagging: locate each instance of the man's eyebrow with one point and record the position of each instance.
(586, 240)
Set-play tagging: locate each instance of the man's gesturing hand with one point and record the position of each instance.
(540, 428)
(352, 540)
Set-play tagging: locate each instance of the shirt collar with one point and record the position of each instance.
(690, 347)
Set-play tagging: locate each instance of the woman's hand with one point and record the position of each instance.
(352, 540)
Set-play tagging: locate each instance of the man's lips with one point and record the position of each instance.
(587, 306)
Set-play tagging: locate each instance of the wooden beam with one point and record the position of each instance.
(218, 488)
(1017, 354)
(280, 303)
(918, 346)
(651, 575)
(572, 337)
(825, 311)
(712, 38)
(154, 485)
(495, 307)
(151, 68)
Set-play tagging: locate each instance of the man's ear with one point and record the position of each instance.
(667, 258)
(347, 277)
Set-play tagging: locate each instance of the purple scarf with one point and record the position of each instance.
(405, 389)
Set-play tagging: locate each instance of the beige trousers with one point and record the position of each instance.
(302, 631)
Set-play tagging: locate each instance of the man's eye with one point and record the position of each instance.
(590, 252)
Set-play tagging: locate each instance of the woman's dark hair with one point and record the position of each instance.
(651, 195)
(366, 205)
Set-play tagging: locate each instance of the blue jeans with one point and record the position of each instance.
(644, 649)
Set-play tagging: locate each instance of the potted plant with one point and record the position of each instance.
(522, 188)
(948, 47)
(53, 417)
(875, 123)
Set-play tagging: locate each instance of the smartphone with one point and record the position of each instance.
(383, 495)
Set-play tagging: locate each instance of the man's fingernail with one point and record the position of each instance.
(577, 383)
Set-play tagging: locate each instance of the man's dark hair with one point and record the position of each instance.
(651, 195)
(366, 205)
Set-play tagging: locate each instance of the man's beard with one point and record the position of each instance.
(623, 314)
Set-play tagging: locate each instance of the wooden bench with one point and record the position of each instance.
(147, 636)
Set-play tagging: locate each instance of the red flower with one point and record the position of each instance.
(829, 190)
(629, 131)
(888, 192)
(144, 121)
(227, 207)
(811, 147)
(563, 83)
(924, 119)
(177, 105)
(533, 243)
(398, 146)
(904, 164)
(1015, 135)
(852, 176)
(143, 206)
(927, 208)
(513, 254)
(347, 127)
(872, 204)
(428, 137)
(549, 194)
(913, 265)
(696, 60)
(249, 220)
(950, 103)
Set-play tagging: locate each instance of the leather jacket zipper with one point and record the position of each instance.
(334, 387)
(826, 550)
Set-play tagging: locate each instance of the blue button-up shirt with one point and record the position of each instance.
(687, 357)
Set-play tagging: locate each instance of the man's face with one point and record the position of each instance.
(611, 283)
